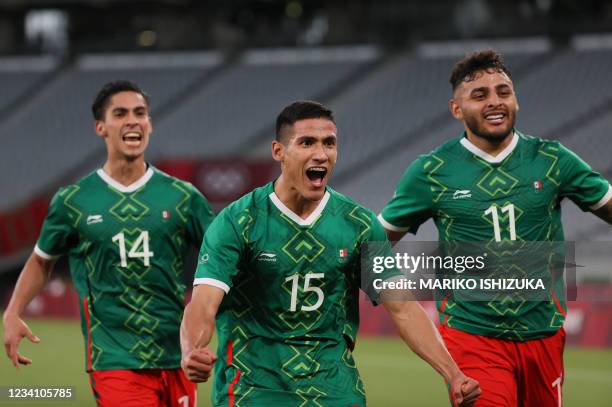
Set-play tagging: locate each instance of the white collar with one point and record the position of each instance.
(123, 188)
(488, 157)
(293, 216)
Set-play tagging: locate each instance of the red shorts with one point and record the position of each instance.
(142, 387)
(511, 373)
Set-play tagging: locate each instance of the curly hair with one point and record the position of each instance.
(466, 69)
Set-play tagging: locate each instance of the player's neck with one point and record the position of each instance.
(125, 172)
(492, 148)
(293, 200)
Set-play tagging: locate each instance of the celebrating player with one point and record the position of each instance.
(125, 229)
(279, 269)
(496, 184)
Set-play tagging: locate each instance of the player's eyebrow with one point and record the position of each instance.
(120, 109)
(117, 110)
(330, 138)
(503, 86)
(482, 89)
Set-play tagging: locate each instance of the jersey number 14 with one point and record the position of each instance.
(139, 249)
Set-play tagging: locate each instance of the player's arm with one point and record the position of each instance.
(420, 334)
(197, 329)
(411, 204)
(605, 212)
(31, 281)
(394, 236)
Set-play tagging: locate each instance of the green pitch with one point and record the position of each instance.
(393, 376)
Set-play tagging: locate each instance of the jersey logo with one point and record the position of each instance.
(462, 194)
(342, 252)
(267, 257)
(204, 258)
(537, 185)
(91, 219)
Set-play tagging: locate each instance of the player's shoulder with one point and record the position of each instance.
(448, 150)
(252, 202)
(82, 183)
(163, 177)
(537, 145)
(345, 203)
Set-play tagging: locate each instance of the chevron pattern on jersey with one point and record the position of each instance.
(430, 166)
(148, 351)
(303, 245)
(302, 365)
(496, 181)
(128, 207)
(307, 397)
(67, 194)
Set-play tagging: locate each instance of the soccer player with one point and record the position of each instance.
(125, 229)
(279, 269)
(495, 184)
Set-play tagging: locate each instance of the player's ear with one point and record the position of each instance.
(100, 128)
(455, 109)
(278, 150)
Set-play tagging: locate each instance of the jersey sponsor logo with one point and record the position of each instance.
(342, 252)
(165, 215)
(263, 256)
(462, 194)
(91, 219)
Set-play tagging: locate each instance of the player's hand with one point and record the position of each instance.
(464, 391)
(198, 364)
(14, 331)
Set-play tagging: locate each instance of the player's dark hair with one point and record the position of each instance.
(466, 70)
(98, 108)
(301, 110)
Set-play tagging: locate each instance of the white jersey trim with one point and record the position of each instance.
(488, 157)
(293, 216)
(123, 188)
(604, 200)
(391, 227)
(43, 254)
(213, 282)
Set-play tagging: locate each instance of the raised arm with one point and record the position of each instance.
(420, 334)
(31, 281)
(197, 329)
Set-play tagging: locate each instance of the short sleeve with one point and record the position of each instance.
(586, 188)
(411, 204)
(200, 216)
(58, 232)
(221, 253)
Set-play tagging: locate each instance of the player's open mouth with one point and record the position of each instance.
(316, 175)
(132, 139)
(495, 118)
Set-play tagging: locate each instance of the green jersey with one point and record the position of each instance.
(514, 196)
(125, 247)
(288, 323)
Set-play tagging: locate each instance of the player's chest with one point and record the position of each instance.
(280, 252)
(120, 218)
(493, 194)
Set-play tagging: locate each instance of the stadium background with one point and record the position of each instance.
(218, 73)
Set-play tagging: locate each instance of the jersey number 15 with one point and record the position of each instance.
(307, 288)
